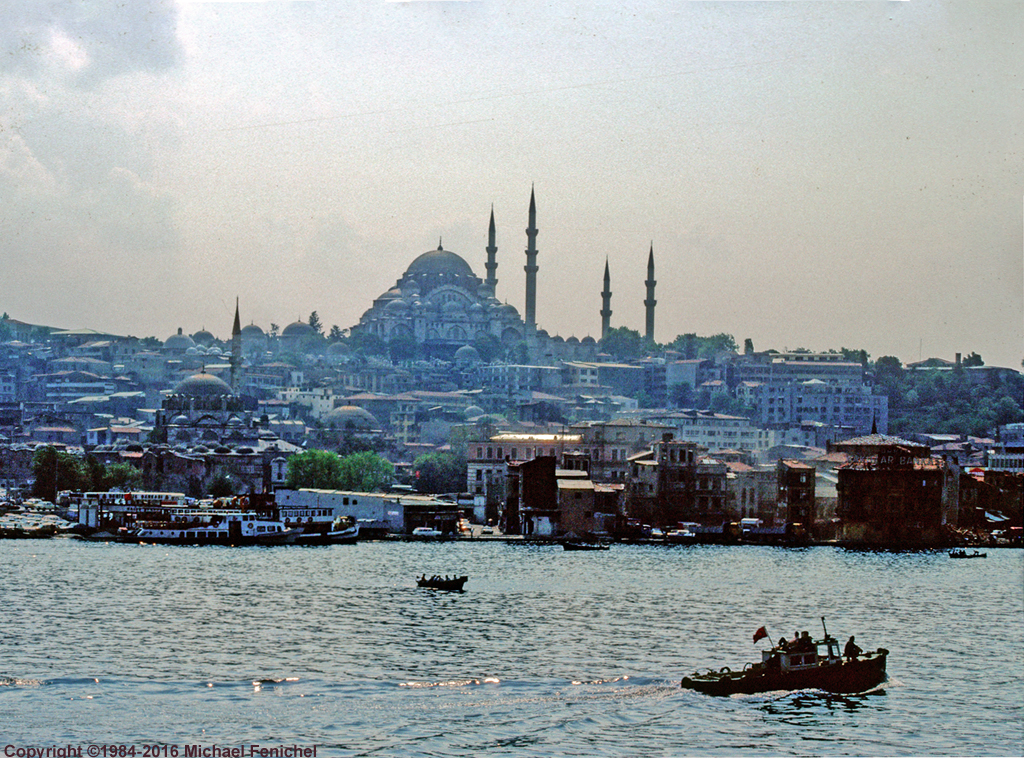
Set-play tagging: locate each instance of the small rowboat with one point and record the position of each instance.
(453, 584)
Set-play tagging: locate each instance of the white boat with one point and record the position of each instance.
(211, 527)
(342, 531)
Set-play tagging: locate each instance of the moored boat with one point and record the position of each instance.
(454, 583)
(798, 665)
(210, 527)
(343, 531)
(579, 545)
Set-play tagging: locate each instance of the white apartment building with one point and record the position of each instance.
(716, 431)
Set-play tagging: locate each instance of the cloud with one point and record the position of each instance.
(88, 42)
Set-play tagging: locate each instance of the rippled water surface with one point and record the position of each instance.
(545, 653)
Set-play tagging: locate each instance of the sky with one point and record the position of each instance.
(810, 174)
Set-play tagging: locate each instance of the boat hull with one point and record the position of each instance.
(454, 585)
(847, 677)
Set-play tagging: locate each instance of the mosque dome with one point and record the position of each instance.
(467, 354)
(252, 332)
(203, 385)
(452, 308)
(337, 348)
(397, 306)
(572, 341)
(475, 309)
(180, 420)
(297, 329)
(350, 415)
(194, 351)
(178, 341)
(439, 261)
(203, 337)
(473, 411)
(588, 340)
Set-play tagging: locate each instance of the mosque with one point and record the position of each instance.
(445, 307)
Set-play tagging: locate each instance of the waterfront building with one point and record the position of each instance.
(393, 513)
(675, 481)
(796, 500)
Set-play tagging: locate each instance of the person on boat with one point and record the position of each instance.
(805, 642)
(852, 650)
(782, 643)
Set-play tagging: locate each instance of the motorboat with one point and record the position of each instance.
(798, 665)
(343, 531)
(580, 545)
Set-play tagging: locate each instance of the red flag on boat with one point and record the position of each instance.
(760, 634)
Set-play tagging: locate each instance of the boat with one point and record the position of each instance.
(809, 664)
(965, 554)
(579, 545)
(210, 527)
(342, 531)
(454, 583)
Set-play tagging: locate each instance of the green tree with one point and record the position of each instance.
(54, 471)
(366, 343)
(403, 347)
(221, 485)
(488, 346)
(439, 472)
(691, 346)
(319, 469)
(365, 472)
(624, 344)
(682, 395)
(123, 476)
(973, 359)
(337, 334)
(314, 323)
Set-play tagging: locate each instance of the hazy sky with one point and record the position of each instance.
(811, 174)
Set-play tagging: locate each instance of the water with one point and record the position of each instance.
(546, 653)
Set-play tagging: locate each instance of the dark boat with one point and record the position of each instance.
(341, 532)
(965, 554)
(816, 664)
(437, 583)
(577, 545)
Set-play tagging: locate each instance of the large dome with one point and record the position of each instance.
(350, 416)
(439, 261)
(297, 329)
(179, 341)
(203, 385)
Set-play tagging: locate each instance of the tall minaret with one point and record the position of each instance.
(531, 269)
(650, 302)
(606, 302)
(492, 263)
(236, 349)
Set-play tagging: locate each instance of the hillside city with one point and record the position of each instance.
(703, 435)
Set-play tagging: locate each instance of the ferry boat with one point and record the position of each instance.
(203, 526)
(808, 664)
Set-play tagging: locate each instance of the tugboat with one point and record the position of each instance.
(799, 664)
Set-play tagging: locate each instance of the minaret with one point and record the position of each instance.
(236, 350)
(650, 302)
(531, 269)
(492, 263)
(606, 301)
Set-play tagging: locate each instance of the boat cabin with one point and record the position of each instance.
(797, 656)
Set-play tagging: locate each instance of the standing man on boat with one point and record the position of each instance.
(852, 650)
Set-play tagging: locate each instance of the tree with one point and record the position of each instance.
(682, 395)
(748, 346)
(222, 485)
(123, 476)
(691, 346)
(365, 472)
(274, 330)
(488, 346)
(314, 323)
(624, 344)
(367, 343)
(319, 469)
(855, 356)
(403, 347)
(337, 334)
(439, 472)
(55, 471)
(973, 360)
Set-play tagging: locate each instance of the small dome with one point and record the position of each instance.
(180, 420)
(252, 332)
(572, 341)
(473, 411)
(195, 351)
(203, 385)
(476, 309)
(350, 415)
(452, 308)
(467, 354)
(509, 311)
(178, 341)
(588, 340)
(337, 348)
(396, 306)
(557, 338)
